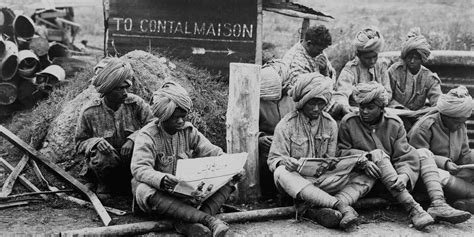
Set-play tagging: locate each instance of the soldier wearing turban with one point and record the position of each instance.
(158, 146)
(107, 128)
(309, 132)
(445, 134)
(396, 163)
(413, 85)
(365, 67)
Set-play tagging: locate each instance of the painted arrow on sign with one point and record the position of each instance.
(197, 50)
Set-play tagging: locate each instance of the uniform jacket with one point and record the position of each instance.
(97, 121)
(429, 132)
(356, 137)
(412, 92)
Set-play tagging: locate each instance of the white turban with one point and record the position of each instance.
(416, 41)
(115, 72)
(368, 40)
(371, 91)
(169, 97)
(309, 86)
(456, 103)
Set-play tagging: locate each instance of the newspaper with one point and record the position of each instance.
(201, 177)
(331, 165)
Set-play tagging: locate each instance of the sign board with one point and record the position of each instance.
(209, 33)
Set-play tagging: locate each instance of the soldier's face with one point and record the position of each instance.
(413, 61)
(370, 112)
(313, 108)
(314, 49)
(175, 122)
(118, 94)
(368, 59)
(453, 123)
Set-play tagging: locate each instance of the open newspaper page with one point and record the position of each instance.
(318, 166)
(202, 177)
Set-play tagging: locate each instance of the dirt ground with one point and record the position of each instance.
(54, 216)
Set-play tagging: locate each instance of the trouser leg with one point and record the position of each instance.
(213, 203)
(358, 186)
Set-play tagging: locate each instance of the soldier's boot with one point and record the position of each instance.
(459, 188)
(327, 217)
(212, 204)
(325, 204)
(418, 216)
(103, 191)
(192, 229)
(438, 209)
(465, 204)
(349, 215)
(163, 203)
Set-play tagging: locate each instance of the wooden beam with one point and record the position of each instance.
(292, 13)
(242, 124)
(36, 193)
(104, 216)
(152, 226)
(258, 50)
(14, 204)
(10, 181)
(22, 178)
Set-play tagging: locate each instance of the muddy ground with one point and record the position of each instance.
(56, 215)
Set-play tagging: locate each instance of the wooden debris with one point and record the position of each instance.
(10, 181)
(36, 193)
(22, 179)
(41, 158)
(13, 204)
(151, 226)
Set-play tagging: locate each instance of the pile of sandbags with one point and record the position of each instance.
(26, 71)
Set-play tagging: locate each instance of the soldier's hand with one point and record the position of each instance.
(452, 168)
(265, 142)
(291, 164)
(372, 170)
(169, 182)
(104, 147)
(400, 183)
(322, 63)
(127, 148)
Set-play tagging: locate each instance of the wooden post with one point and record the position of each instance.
(258, 50)
(304, 27)
(242, 124)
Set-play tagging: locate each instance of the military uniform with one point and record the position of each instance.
(354, 73)
(412, 91)
(98, 122)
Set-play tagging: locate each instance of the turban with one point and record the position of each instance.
(309, 86)
(101, 64)
(273, 74)
(368, 40)
(372, 91)
(416, 41)
(456, 103)
(169, 97)
(115, 72)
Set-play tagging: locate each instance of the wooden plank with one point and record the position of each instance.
(10, 181)
(259, 50)
(152, 226)
(242, 124)
(22, 178)
(36, 193)
(292, 13)
(104, 216)
(13, 204)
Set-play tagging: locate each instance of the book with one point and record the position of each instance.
(201, 177)
(331, 165)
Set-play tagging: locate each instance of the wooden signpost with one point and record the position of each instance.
(210, 33)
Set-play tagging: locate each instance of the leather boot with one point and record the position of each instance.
(103, 191)
(192, 229)
(326, 217)
(441, 211)
(419, 217)
(465, 205)
(349, 215)
(218, 227)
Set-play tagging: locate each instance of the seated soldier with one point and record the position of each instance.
(107, 128)
(398, 164)
(445, 134)
(309, 132)
(365, 67)
(412, 83)
(274, 104)
(158, 146)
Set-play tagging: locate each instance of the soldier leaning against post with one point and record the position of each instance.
(365, 67)
(395, 162)
(107, 128)
(158, 146)
(445, 134)
(308, 132)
